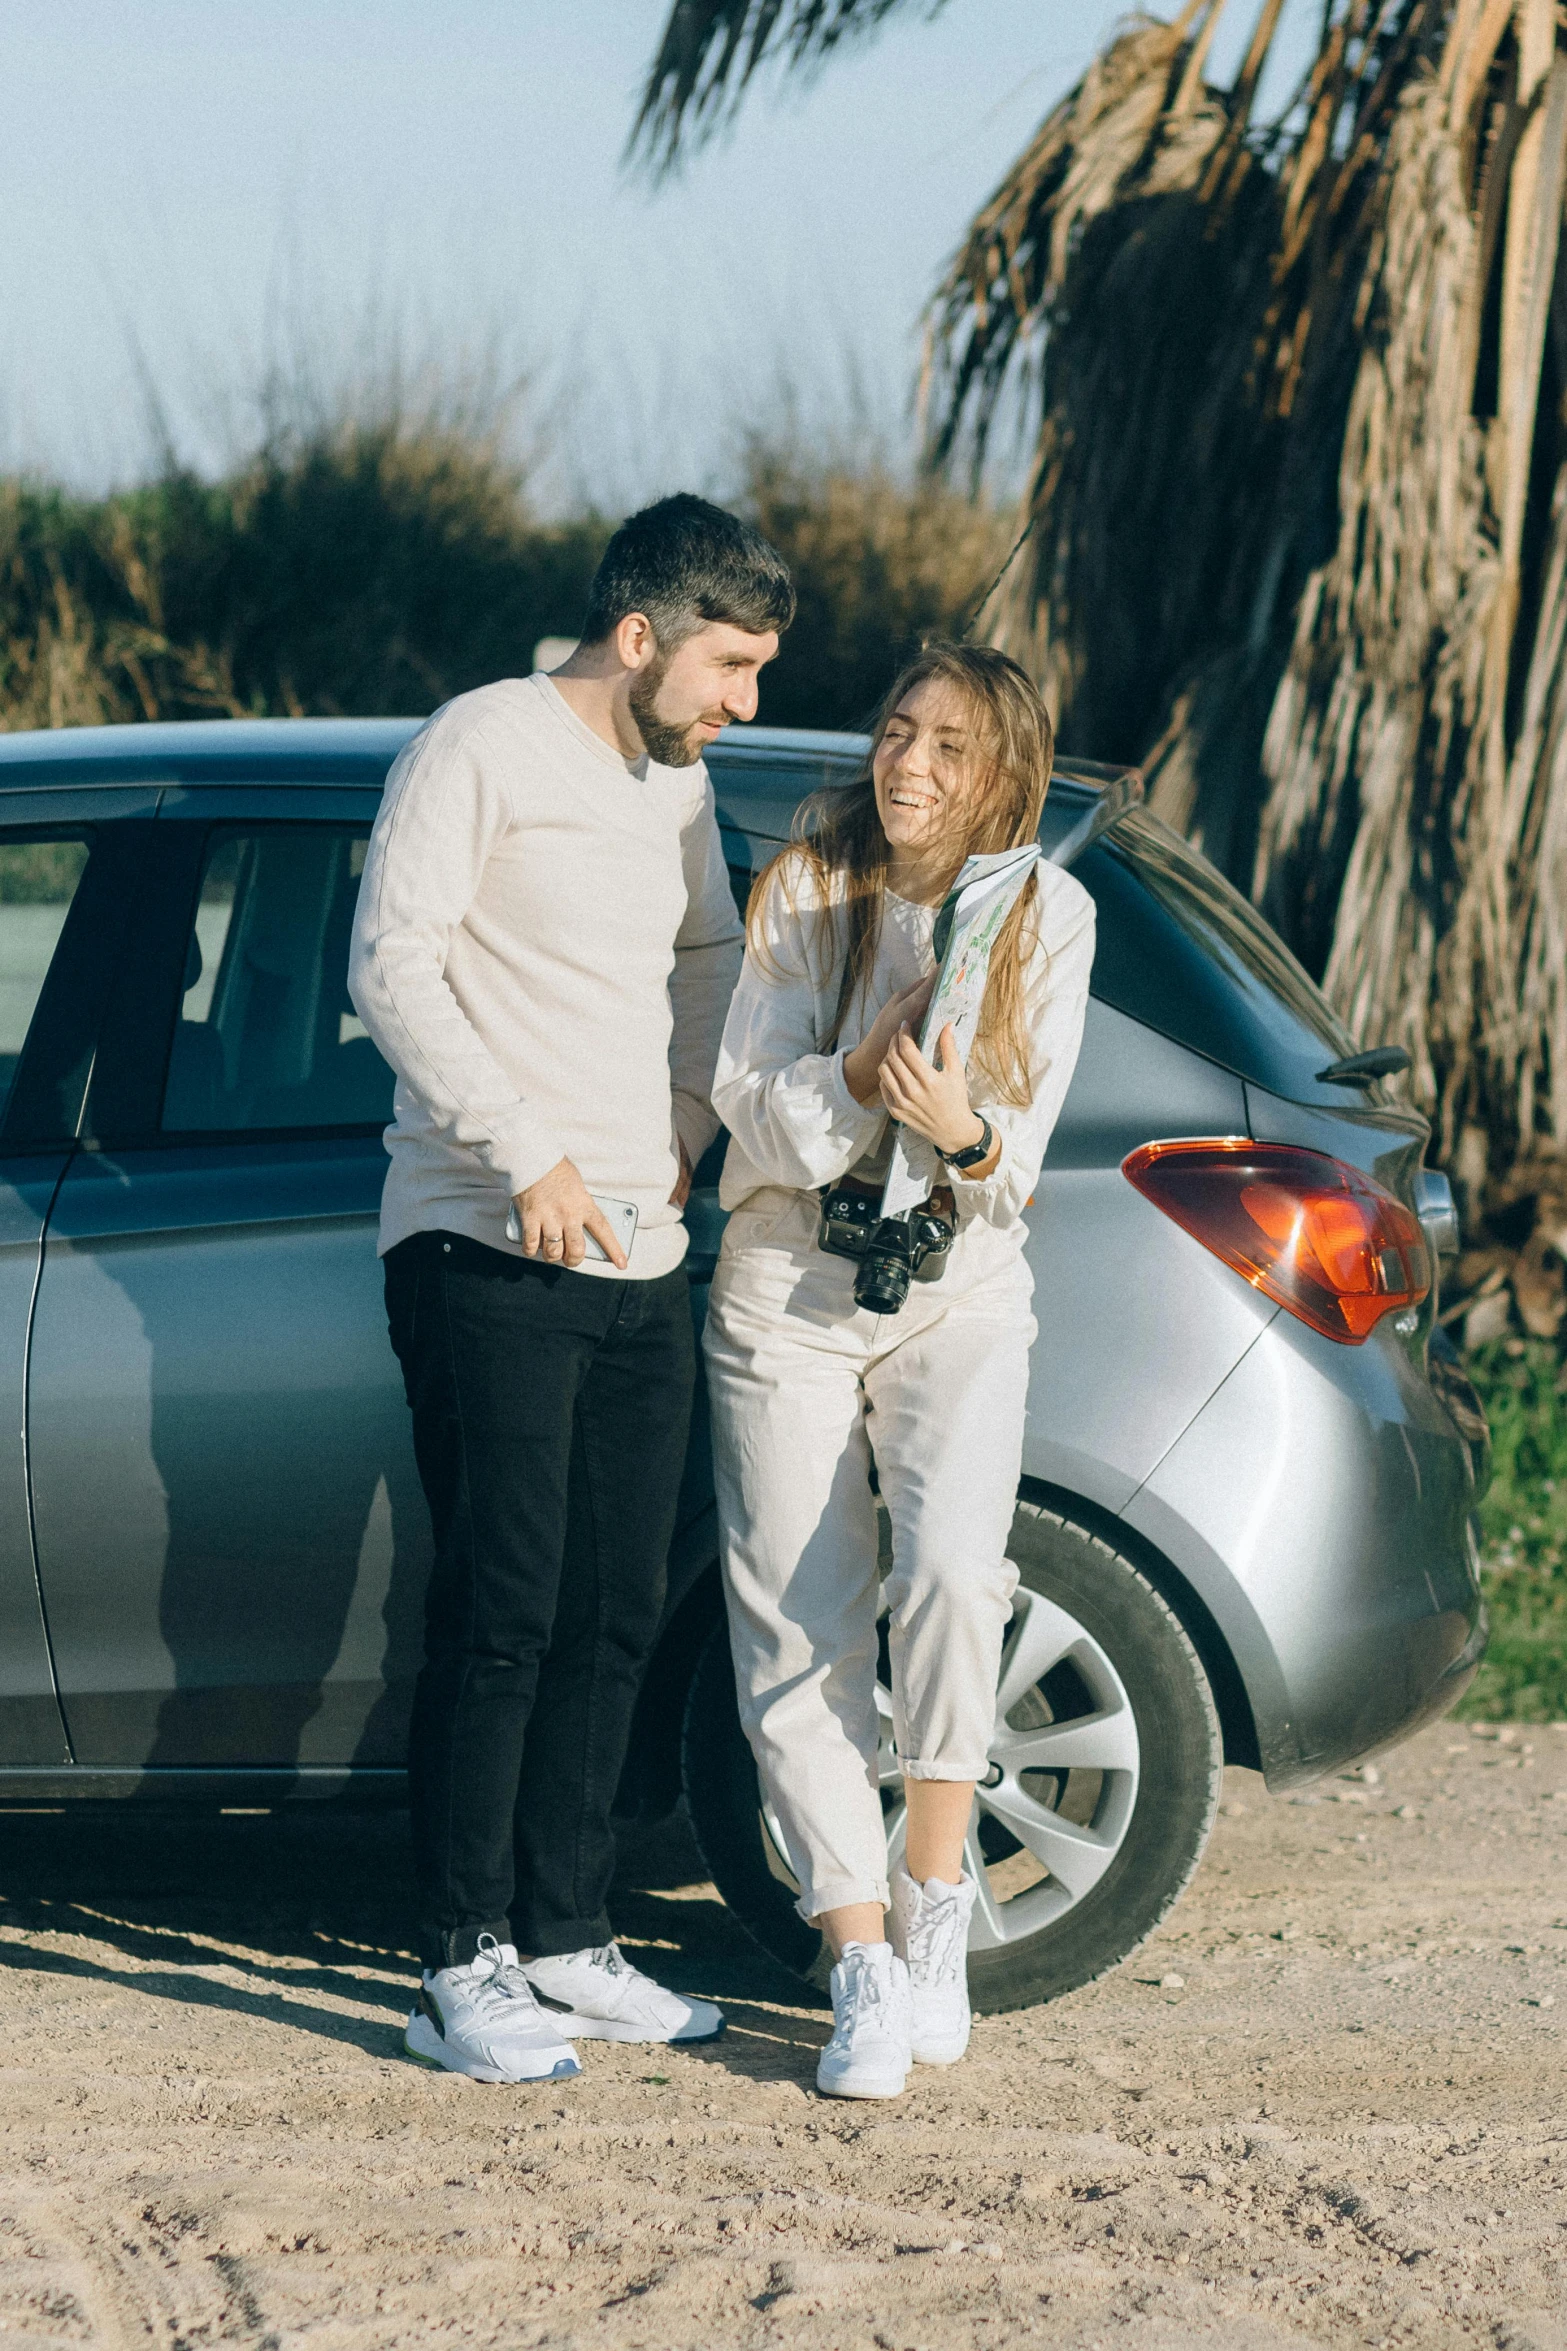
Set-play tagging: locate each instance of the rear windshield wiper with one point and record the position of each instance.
(1364, 1069)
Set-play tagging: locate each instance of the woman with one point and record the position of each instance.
(808, 1390)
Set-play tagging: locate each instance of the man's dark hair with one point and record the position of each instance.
(686, 563)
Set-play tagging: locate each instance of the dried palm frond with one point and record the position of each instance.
(1308, 379)
(711, 49)
(1417, 750)
(1178, 284)
(1298, 496)
(1094, 280)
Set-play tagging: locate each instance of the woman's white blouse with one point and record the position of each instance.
(790, 1114)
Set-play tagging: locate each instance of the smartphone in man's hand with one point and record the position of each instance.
(622, 1215)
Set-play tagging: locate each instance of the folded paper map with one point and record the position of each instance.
(967, 928)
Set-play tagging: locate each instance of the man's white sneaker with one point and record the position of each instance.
(597, 1995)
(868, 2055)
(930, 1926)
(482, 2020)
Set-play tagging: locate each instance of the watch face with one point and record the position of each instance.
(974, 1152)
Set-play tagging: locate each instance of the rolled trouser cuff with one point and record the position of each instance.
(459, 1946)
(839, 1894)
(946, 1767)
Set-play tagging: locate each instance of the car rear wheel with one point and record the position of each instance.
(1104, 1776)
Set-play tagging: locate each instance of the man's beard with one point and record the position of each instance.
(670, 746)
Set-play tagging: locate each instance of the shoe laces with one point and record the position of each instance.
(870, 1989)
(937, 1933)
(625, 1983)
(498, 1978)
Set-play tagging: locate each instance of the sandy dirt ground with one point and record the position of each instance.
(1326, 2105)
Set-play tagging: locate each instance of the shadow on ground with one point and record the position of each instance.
(258, 1911)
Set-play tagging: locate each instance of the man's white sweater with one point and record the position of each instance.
(545, 949)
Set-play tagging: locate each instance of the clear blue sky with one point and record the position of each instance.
(196, 190)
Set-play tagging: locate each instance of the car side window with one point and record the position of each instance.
(38, 879)
(267, 1037)
(1181, 950)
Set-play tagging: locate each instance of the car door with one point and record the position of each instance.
(230, 1538)
(68, 867)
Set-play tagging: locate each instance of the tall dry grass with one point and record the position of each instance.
(880, 562)
(384, 562)
(363, 568)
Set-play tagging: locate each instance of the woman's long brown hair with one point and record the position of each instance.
(838, 836)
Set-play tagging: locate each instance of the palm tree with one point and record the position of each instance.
(1299, 491)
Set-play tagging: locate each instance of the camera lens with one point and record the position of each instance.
(882, 1283)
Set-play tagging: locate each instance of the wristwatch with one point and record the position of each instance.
(976, 1152)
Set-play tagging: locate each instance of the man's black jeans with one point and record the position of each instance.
(550, 1417)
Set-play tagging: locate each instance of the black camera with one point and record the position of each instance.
(892, 1250)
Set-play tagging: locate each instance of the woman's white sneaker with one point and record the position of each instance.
(868, 2055)
(930, 1925)
(482, 2020)
(597, 1995)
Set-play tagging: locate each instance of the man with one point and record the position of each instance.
(544, 951)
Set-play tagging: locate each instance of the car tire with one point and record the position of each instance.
(1128, 1675)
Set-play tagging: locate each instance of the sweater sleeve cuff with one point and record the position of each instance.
(521, 1159)
(697, 1125)
(995, 1175)
(980, 1194)
(844, 1105)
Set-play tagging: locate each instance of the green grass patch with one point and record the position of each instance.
(1523, 1522)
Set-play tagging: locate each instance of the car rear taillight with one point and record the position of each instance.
(1323, 1239)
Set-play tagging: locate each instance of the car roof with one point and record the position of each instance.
(207, 750)
(319, 750)
(760, 774)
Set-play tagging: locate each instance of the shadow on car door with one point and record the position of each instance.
(231, 1539)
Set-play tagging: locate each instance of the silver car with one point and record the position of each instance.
(1244, 1530)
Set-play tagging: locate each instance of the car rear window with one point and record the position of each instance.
(1182, 951)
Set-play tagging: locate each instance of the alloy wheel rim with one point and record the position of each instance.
(1087, 1759)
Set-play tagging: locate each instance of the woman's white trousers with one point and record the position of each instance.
(807, 1390)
